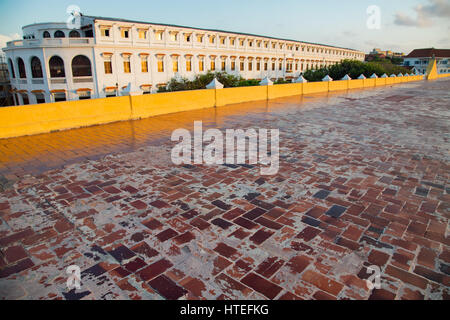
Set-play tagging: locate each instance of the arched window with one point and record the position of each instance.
(11, 66)
(59, 34)
(46, 34)
(81, 67)
(36, 68)
(57, 67)
(22, 72)
(74, 34)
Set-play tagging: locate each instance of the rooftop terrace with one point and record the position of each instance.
(363, 181)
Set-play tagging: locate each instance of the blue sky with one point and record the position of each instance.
(405, 24)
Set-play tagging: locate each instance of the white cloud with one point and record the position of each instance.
(437, 8)
(422, 21)
(4, 39)
(425, 14)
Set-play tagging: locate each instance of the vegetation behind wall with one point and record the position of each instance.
(351, 67)
(202, 80)
(354, 69)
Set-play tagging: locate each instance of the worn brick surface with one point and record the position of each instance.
(363, 181)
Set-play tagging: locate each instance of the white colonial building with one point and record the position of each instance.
(419, 59)
(107, 57)
(5, 96)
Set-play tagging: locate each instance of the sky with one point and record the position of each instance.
(403, 24)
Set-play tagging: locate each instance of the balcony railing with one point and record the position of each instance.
(60, 42)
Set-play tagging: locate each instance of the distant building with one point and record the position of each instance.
(105, 57)
(5, 87)
(420, 58)
(387, 53)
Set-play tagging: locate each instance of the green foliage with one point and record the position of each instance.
(378, 58)
(397, 60)
(313, 75)
(162, 89)
(354, 69)
(351, 67)
(182, 84)
(390, 68)
(282, 81)
(248, 83)
(201, 81)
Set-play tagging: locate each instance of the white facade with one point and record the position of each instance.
(419, 59)
(421, 64)
(106, 56)
(4, 83)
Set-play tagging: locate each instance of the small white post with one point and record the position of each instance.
(215, 84)
(300, 79)
(266, 82)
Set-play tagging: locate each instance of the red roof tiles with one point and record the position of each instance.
(425, 53)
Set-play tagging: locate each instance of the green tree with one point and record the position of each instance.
(354, 69)
(248, 83)
(201, 81)
(397, 60)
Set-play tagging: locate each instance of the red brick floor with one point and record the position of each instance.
(363, 181)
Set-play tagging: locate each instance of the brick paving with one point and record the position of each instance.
(363, 181)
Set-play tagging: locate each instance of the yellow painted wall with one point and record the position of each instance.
(315, 87)
(380, 81)
(369, 83)
(42, 118)
(339, 85)
(443, 75)
(355, 84)
(150, 105)
(285, 90)
(390, 80)
(239, 95)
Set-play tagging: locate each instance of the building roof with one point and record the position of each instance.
(211, 30)
(428, 53)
